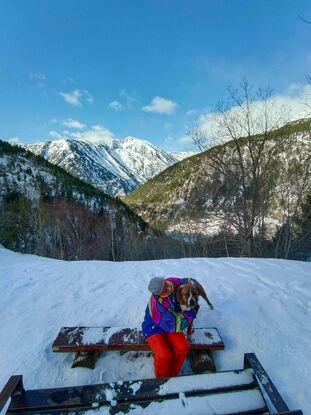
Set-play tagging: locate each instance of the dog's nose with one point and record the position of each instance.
(192, 302)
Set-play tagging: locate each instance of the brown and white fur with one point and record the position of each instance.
(188, 295)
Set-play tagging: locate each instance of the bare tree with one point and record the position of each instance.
(294, 185)
(244, 169)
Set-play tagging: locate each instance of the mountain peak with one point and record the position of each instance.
(115, 166)
(130, 141)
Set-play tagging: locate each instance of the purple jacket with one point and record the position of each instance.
(164, 315)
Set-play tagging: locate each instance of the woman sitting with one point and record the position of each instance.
(165, 325)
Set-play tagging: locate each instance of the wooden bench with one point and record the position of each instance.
(238, 392)
(88, 342)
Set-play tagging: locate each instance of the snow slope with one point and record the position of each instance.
(261, 306)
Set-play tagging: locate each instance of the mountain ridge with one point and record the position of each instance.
(117, 167)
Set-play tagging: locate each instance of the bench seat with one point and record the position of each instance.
(88, 342)
(100, 339)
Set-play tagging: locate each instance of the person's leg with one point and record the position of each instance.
(162, 355)
(179, 346)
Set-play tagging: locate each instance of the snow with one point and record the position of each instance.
(109, 394)
(216, 380)
(261, 306)
(92, 336)
(203, 337)
(135, 387)
(203, 405)
(117, 167)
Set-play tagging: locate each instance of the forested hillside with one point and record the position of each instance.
(252, 193)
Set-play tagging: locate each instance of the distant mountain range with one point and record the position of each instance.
(116, 167)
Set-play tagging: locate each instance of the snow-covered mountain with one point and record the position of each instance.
(117, 166)
(261, 306)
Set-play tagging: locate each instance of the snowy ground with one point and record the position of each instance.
(261, 306)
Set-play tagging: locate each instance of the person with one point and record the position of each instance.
(165, 324)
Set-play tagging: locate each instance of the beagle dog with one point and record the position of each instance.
(188, 294)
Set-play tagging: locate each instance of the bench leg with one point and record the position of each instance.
(202, 361)
(85, 359)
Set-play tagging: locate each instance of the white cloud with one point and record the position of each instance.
(14, 140)
(116, 106)
(179, 144)
(70, 123)
(160, 106)
(57, 136)
(125, 100)
(77, 97)
(197, 111)
(97, 134)
(72, 98)
(293, 104)
(38, 78)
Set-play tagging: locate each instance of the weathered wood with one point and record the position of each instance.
(13, 387)
(201, 361)
(251, 361)
(85, 359)
(212, 404)
(88, 339)
(133, 391)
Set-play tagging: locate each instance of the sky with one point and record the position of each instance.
(148, 69)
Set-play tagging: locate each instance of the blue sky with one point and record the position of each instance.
(143, 68)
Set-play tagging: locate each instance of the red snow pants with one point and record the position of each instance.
(170, 351)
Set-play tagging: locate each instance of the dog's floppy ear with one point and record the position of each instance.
(178, 293)
(202, 293)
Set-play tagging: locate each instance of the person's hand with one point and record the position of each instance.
(167, 289)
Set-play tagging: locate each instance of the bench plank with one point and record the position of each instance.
(133, 391)
(248, 402)
(88, 339)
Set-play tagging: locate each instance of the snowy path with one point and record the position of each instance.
(261, 306)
